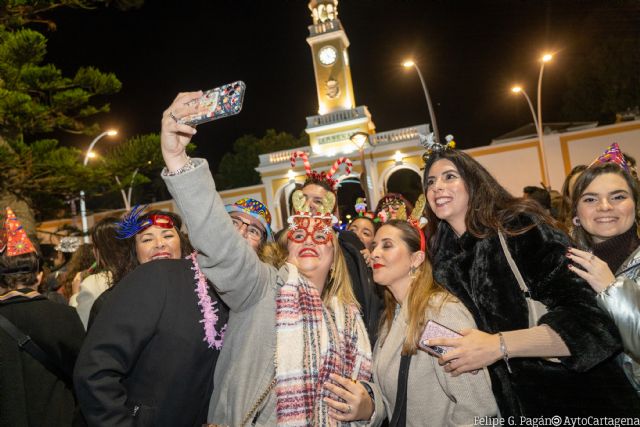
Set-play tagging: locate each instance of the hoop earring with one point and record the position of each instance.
(576, 221)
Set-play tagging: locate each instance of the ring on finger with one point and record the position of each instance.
(348, 411)
(592, 257)
(173, 117)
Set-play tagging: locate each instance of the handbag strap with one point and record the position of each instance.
(512, 264)
(399, 418)
(25, 343)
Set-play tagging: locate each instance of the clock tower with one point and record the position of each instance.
(338, 116)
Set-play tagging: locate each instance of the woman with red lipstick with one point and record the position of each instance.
(150, 353)
(468, 213)
(411, 298)
(270, 375)
(606, 218)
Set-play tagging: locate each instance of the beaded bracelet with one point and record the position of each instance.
(186, 168)
(504, 351)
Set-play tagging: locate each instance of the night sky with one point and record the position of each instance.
(470, 52)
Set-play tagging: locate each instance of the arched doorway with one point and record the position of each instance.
(348, 192)
(406, 182)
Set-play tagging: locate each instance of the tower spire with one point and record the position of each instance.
(323, 10)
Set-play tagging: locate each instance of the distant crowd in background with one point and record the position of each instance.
(468, 303)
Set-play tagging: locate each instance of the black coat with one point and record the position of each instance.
(368, 294)
(30, 395)
(588, 382)
(145, 361)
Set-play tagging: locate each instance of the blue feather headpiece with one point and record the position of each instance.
(131, 223)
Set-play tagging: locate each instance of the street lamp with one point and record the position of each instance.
(519, 89)
(83, 209)
(360, 139)
(537, 121)
(408, 64)
(545, 58)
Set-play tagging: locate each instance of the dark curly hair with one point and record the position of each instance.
(131, 261)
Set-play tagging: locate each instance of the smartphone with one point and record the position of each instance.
(220, 102)
(436, 330)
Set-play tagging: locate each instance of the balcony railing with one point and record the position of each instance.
(337, 116)
(280, 156)
(399, 135)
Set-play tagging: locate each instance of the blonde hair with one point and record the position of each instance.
(338, 282)
(424, 293)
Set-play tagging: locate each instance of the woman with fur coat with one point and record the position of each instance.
(563, 364)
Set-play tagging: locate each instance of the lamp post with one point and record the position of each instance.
(537, 120)
(519, 89)
(432, 116)
(360, 140)
(83, 209)
(545, 58)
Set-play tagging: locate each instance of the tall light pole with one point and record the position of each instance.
(360, 140)
(408, 64)
(83, 209)
(545, 58)
(519, 89)
(537, 120)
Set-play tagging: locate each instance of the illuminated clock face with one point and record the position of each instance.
(327, 55)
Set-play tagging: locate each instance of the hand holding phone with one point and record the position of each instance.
(436, 330)
(217, 103)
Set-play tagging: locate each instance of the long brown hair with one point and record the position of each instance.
(81, 260)
(491, 206)
(421, 293)
(564, 216)
(580, 235)
(112, 253)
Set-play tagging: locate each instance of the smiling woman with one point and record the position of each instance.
(480, 236)
(318, 327)
(606, 218)
(162, 317)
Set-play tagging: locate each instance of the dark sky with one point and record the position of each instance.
(470, 53)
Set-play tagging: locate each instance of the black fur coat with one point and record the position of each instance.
(588, 382)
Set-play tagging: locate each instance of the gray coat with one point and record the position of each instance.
(246, 364)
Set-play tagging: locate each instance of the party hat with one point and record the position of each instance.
(13, 238)
(612, 154)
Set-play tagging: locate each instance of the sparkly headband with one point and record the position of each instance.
(418, 221)
(612, 154)
(131, 224)
(325, 177)
(433, 146)
(361, 209)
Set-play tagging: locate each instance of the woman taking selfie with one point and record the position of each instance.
(318, 329)
(606, 218)
(469, 215)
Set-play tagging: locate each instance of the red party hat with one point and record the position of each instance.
(13, 238)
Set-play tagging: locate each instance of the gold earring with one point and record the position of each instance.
(412, 272)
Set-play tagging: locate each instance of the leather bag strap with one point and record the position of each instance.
(25, 343)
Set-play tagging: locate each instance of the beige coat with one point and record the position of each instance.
(434, 398)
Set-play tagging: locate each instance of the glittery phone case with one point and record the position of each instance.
(436, 330)
(220, 102)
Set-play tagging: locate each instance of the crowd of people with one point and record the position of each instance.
(222, 321)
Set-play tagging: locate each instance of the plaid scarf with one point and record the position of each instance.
(313, 341)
